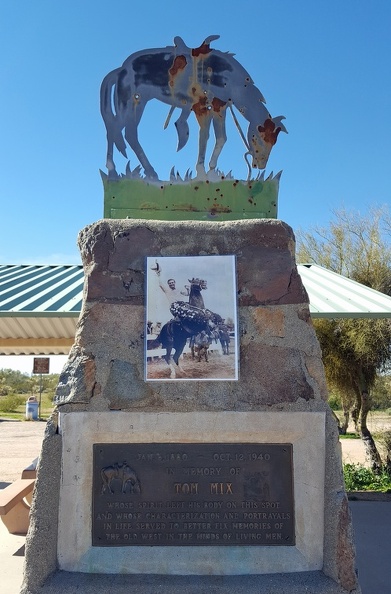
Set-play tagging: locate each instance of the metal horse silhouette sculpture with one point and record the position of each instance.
(204, 81)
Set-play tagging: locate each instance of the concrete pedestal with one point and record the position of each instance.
(280, 397)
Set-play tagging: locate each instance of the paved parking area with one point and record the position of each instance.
(20, 444)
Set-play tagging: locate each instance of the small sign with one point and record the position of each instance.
(41, 365)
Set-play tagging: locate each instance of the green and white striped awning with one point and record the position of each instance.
(334, 296)
(40, 305)
(39, 308)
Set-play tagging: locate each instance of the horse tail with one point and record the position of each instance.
(113, 122)
(160, 339)
(154, 344)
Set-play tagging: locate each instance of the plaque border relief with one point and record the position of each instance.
(80, 430)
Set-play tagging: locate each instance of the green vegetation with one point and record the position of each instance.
(335, 402)
(17, 387)
(355, 351)
(349, 436)
(359, 478)
(11, 402)
(381, 393)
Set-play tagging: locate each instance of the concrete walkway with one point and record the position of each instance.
(372, 529)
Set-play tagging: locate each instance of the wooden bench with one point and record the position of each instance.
(30, 471)
(14, 510)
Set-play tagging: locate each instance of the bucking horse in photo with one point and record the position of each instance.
(188, 321)
(195, 296)
(201, 80)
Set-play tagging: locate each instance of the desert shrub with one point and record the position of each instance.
(381, 393)
(4, 389)
(335, 401)
(359, 478)
(386, 440)
(10, 402)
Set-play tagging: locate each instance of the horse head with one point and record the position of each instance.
(198, 283)
(262, 138)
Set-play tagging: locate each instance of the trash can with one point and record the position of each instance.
(32, 409)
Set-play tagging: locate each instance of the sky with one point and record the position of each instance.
(323, 64)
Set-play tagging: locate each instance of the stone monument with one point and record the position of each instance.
(192, 447)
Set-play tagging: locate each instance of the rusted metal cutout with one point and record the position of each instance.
(203, 81)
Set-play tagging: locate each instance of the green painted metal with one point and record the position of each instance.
(222, 200)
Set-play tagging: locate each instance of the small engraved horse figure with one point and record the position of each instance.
(122, 473)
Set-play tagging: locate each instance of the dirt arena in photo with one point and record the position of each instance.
(217, 367)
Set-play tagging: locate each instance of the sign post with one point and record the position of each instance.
(40, 366)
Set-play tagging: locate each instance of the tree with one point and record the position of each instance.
(354, 350)
(18, 381)
(22, 383)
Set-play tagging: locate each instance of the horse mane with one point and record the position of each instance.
(181, 46)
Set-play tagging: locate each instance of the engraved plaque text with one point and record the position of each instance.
(192, 494)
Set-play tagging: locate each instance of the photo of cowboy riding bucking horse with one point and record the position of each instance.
(191, 321)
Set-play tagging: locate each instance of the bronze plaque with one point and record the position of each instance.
(192, 494)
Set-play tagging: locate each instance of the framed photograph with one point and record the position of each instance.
(191, 319)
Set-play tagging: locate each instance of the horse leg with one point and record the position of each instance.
(170, 362)
(179, 346)
(104, 485)
(221, 136)
(113, 120)
(204, 123)
(167, 356)
(182, 128)
(112, 172)
(131, 136)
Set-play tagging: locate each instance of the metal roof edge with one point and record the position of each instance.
(350, 280)
(345, 314)
(39, 314)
